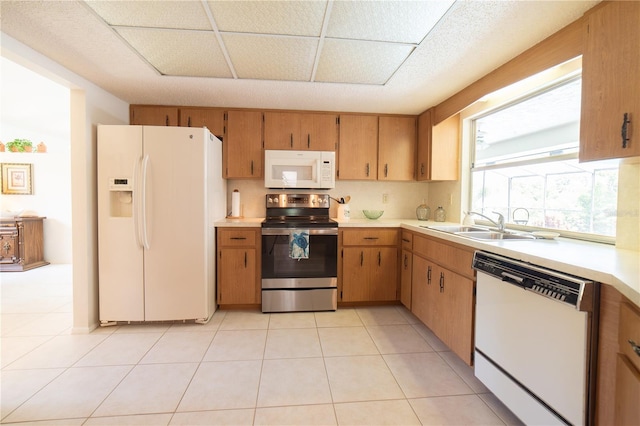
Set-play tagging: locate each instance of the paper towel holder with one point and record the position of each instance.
(235, 203)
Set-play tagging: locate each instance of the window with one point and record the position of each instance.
(525, 166)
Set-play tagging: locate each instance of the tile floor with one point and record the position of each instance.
(363, 366)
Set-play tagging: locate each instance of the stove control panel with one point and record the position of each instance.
(298, 200)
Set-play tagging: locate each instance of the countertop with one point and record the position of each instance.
(598, 262)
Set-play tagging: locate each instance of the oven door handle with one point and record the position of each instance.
(288, 231)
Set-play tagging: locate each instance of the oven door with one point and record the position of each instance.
(280, 269)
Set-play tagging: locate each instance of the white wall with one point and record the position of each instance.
(89, 106)
(36, 108)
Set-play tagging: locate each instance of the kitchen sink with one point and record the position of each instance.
(454, 228)
(490, 235)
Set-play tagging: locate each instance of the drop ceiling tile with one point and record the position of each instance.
(153, 14)
(364, 62)
(178, 52)
(271, 57)
(396, 21)
(269, 17)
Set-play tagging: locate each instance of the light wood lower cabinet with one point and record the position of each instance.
(369, 265)
(618, 364)
(406, 268)
(442, 293)
(238, 266)
(627, 406)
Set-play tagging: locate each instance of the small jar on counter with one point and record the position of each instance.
(441, 215)
(423, 212)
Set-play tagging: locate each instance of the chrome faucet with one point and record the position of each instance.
(499, 223)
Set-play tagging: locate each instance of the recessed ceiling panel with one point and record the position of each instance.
(302, 18)
(397, 21)
(179, 53)
(363, 62)
(271, 57)
(153, 14)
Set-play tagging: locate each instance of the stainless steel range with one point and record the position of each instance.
(299, 254)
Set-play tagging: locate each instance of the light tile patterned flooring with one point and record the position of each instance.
(363, 366)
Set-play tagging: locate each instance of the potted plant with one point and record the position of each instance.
(20, 145)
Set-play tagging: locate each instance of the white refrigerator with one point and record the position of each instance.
(160, 190)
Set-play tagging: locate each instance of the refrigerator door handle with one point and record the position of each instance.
(136, 201)
(145, 239)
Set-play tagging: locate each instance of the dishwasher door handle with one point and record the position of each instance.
(510, 277)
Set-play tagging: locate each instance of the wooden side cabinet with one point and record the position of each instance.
(238, 266)
(21, 243)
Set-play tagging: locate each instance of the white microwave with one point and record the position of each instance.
(299, 169)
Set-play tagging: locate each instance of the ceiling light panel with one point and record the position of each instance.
(363, 62)
(179, 53)
(271, 57)
(153, 14)
(394, 21)
(302, 18)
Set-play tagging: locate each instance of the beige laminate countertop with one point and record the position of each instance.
(598, 262)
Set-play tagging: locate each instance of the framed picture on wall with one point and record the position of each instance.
(16, 179)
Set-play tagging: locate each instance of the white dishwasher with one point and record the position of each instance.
(533, 345)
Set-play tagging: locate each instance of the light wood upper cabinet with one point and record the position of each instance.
(319, 132)
(397, 148)
(242, 153)
(358, 148)
(300, 131)
(438, 148)
(212, 119)
(281, 130)
(151, 115)
(610, 88)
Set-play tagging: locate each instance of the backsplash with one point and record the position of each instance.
(402, 197)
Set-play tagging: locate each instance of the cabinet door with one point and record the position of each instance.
(397, 148)
(455, 326)
(424, 291)
(148, 115)
(281, 130)
(358, 148)
(627, 392)
(406, 266)
(445, 149)
(355, 275)
(383, 264)
(237, 276)
(242, 147)
(318, 132)
(212, 119)
(610, 89)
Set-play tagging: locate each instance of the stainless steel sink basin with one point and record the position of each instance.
(490, 236)
(455, 228)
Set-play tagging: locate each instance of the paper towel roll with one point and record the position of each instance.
(235, 203)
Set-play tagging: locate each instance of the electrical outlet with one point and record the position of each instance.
(450, 199)
(385, 198)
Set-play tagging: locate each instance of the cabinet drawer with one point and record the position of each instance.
(370, 237)
(453, 258)
(230, 237)
(629, 330)
(407, 240)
